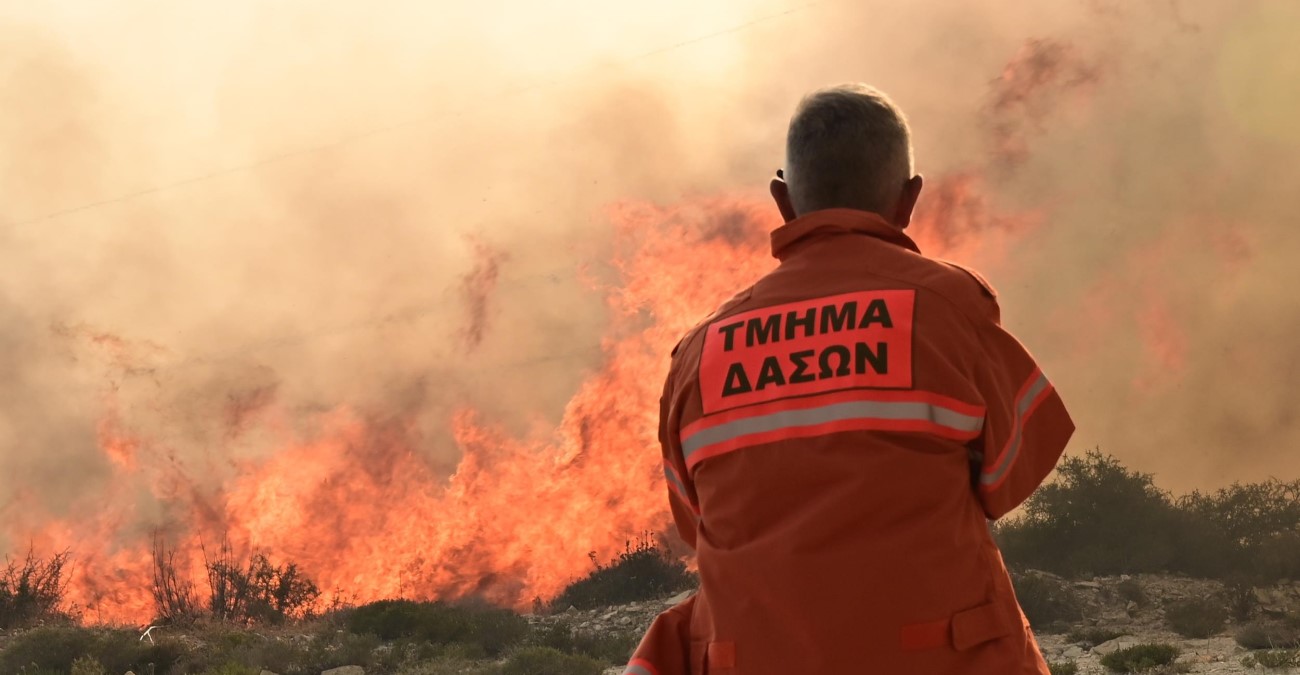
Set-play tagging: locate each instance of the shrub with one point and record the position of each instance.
(88, 665)
(610, 647)
(1196, 617)
(1259, 521)
(548, 661)
(175, 602)
(1047, 602)
(1266, 636)
(1139, 658)
(258, 591)
(232, 668)
(1130, 590)
(58, 648)
(1239, 596)
(1276, 658)
(1094, 636)
(31, 590)
(1097, 517)
(494, 630)
(643, 572)
(1063, 668)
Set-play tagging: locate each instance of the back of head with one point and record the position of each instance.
(848, 146)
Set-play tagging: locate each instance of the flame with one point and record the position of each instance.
(354, 502)
(351, 495)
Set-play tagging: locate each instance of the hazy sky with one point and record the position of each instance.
(398, 206)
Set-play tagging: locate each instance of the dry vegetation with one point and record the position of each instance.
(1095, 518)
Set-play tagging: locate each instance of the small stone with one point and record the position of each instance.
(267, 672)
(345, 670)
(1087, 584)
(679, 598)
(1073, 652)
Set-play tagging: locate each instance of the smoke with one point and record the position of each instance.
(400, 212)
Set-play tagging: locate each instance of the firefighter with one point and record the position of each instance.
(838, 437)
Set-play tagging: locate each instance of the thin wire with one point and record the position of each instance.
(376, 131)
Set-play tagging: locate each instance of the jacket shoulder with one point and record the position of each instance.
(964, 287)
(726, 308)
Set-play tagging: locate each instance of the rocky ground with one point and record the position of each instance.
(1135, 607)
(1105, 605)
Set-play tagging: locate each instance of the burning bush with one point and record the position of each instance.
(1197, 617)
(641, 572)
(257, 591)
(175, 602)
(31, 590)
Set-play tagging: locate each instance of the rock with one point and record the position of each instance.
(345, 670)
(1087, 584)
(267, 672)
(679, 598)
(1073, 652)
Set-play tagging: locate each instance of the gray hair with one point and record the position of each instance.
(848, 146)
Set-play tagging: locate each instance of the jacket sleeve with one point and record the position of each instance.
(681, 492)
(1026, 426)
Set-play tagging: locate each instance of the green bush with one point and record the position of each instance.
(1197, 617)
(1239, 596)
(1130, 590)
(1049, 604)
(1099, 517)
(643, 572)
(494, 630)
(31, 591)
(1276, 658)
(58, 648)
(1096, 517)
(1063, 668)
(548, 661)
(1267, 636)
(1093, 636)
(1139, 658)
(232, 668)
(610, 647)
(88, 665)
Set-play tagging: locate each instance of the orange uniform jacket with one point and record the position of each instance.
(835, 440)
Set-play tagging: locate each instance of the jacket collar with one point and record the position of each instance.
(832, 222)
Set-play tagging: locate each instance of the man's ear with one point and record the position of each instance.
(781, 195)
(907, 201)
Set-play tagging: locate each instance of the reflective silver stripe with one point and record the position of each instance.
(637, 669)
(836, 412)
(671, 476)
(1013, 448)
